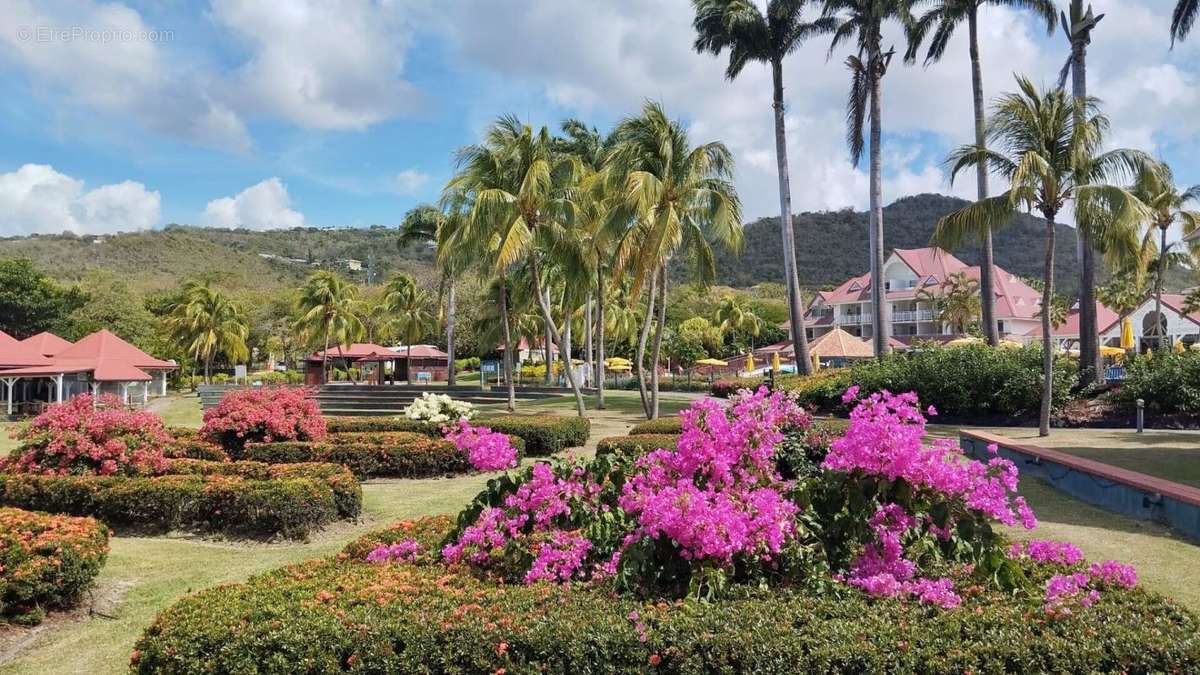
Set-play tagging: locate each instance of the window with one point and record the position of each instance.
(1000, 326)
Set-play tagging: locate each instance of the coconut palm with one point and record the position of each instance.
(1041, 144)
(516, 184)
(751, 34)
(1124, 293)
(675, 199)
(863, 21)
(1167, 204)
(208, 323)
(955, 301)
(943, 19)
(428, 225)
(1182, 19)
(327, 307)
(410, 308)
(733, 316)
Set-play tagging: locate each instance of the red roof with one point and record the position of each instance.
(1105, 319)
(46, 343)
(106, 356)
(14, 353)
(422, 352)
(356, 350)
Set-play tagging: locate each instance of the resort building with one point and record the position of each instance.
(380, 365)
(1174, 324)
(912, 280)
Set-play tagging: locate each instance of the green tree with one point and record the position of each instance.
(1168, 206)
(1042, 146)
(735, 317)
(863, 21)
(113, 305)
(943, 19)
(956, 301)
(753, 35)
(1182, 19)
(410, 309)
(327, 314)
(207, 323)
(31, 302)
(675, 200)
(428, 225)
(1124, 293)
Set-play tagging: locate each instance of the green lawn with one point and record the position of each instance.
(146, 574)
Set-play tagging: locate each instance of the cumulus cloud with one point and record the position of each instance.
(262, 206)
(411, 181)
(36, 199)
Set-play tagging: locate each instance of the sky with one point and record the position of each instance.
(122, 116)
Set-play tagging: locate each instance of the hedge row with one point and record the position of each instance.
(233, 498)
(662, 425)
(636, 445)
(46, 562)
(189, 444)
(335, 615)
(544, 435)
(391, 454)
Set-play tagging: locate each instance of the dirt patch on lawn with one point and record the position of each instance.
(100, 604)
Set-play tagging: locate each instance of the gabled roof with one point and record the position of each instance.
(46, 343)
(1106, 319)
(930, 262)
(839, 343)
(106, 356)
(1176, 302)
(356, 350)
(422, 352)
(14, 353)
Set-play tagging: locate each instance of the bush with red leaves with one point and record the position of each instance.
(266, 415)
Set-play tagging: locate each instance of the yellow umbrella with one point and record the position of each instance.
(1179, 348)
(617, 361)
(1105, 350)
(711, 362)
(749, 362)
(816, 362)
(775, 362)
(1127, 333)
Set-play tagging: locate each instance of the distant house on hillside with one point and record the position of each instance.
(908, 272)
(348, 264)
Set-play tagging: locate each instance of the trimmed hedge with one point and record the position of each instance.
(662, 425)
(391, 454)
(544, 435)
(189, 444)
(46, 562)
(430, 531)
(235, 498)
(335, 615)
(635, 446)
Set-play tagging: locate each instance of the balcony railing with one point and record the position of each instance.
(912, 316)
(852, 319)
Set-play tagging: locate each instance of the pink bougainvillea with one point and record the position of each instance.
(1045, 551)
(265, 414)
(91, 436)
(405, 551)
(485, 449)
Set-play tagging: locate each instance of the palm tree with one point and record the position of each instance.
(674, 199)
(1124, 293)
(327, 308)
(409, 306)
(1182, 19)
(516, 184)
(752, 35)
(1042, 145)
(733, 316)
(208, 322)
(956, 301)
(428, 225)
(863, 21)
(943, 18)
(1167, 205)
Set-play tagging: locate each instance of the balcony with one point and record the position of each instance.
(912, 316)
(853, 319)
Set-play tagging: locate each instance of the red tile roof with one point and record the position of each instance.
(356, 350)
(46, 343)
(106, 356)
(14, 353)
(1106, 319)
(422, 352)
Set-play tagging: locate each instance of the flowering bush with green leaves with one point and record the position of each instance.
(46, 562)
(438, 409)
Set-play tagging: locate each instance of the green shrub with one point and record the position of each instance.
(46, 562)
(662, 425)
(802, 450)
(635, 446)
(343, 425)
(1169, 383)
(544, 435)
(392, 454)
(823, 389)
(189, 444)
(330, 616)
(234, 498)
(429, 531)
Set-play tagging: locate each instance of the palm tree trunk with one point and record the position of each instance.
(547, 340)
(504, 322)
(555, 335)
(639, 365)
(987, 294)
(207, 368)
(600, 337)
(878, 297)
(325, 358)
(566, 355)
(587, 331)
(1158, 289)
(451, 309)
(791, 277)
(658, 338)
(1089, 330)
(1047, 337)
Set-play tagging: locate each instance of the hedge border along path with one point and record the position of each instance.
(544, 435)
(378, 454)
(46, 562)
(636, 445)
(244, 499)
(342, 613)
(672, 424)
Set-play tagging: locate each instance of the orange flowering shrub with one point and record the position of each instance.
(46, 562)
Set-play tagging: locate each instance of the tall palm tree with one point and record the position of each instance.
(675, 199)
(1182, 19)
(327, 308)
(409, 306)
(863, 21)
(943, 18)
(1124, 293)
(1042, 146)
(1167, 205)
(207, 322)
(429, 225)
(752, 35)
(517, 186)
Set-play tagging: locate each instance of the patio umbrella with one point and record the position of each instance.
(1179, 348)
(1127, 333)
(750, 363)
(1105, 350)
(775, 362)
(964, 342)
(711, 362)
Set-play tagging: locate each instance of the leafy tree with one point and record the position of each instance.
(426, 224)
(1124, 293)
(752, 35)
(943, 19)
(735, 317)
(208, 323)
(956, 301)
(1167, 204)
(410, 309)
(113, 305)
(710, 337)
(31, 302)
(684, 348)
(326, 307)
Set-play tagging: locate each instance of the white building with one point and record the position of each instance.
(1177, 326)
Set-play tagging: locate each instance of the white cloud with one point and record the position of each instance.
(262, 206)
(37, 199)
(411, 181)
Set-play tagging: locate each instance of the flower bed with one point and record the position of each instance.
(46, 562)
(233, 498)
(544, 435)
(392, 454)
(265, 414)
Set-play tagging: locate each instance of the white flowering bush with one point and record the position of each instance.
(438, 409)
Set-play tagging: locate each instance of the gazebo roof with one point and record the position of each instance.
(14, 353)
(837, 343)
(353, 351)
(422, 352)
(46, 343)
(106, 356)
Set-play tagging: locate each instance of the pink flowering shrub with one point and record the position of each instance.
(485, 449)
(266, 415)
(1044, 551)
(406, 551)
(91, 436)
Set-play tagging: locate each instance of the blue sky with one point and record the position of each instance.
(239, 112)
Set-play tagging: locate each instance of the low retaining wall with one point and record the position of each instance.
(1120, 490)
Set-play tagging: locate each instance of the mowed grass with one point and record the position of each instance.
(147, 574)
